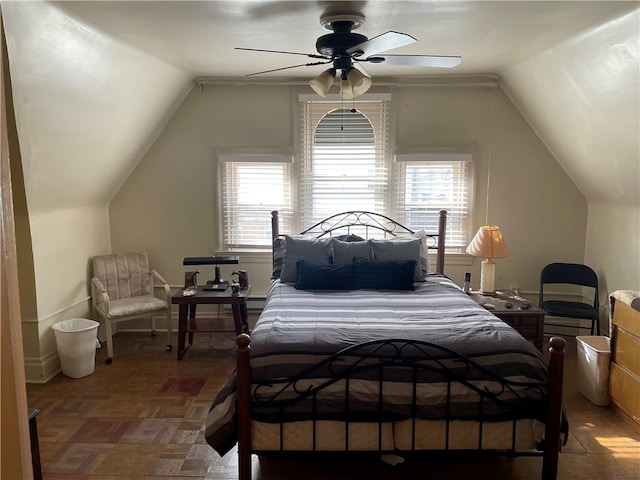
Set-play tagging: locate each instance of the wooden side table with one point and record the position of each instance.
(529, 322)
(187, 312)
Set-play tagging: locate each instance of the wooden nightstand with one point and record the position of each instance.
(187, 322)
(529, 322)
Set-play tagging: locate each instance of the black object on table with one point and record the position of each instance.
(217, 283)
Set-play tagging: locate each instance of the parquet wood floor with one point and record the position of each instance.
(142, 418)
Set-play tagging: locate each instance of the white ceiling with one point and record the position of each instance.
(84, 68)
(199, 37)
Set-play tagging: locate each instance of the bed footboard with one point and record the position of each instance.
(243, 405)
(379, 352)
(554, 417)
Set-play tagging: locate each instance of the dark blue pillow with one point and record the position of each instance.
(384, 275)
(324, 276)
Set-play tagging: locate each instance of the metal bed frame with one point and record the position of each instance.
(394, 354)
(352, 221)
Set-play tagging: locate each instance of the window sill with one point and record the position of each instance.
(457, 258)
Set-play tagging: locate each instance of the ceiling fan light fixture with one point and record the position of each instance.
(359, 82)
(322, 83)
(346, 90)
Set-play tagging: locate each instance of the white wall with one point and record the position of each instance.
(86, 107)
(613, 249)
(63, 241)
(583, 98)
(168, 206)
(538, 208)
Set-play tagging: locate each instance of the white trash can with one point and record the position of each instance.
(594, 354)
(76, 339)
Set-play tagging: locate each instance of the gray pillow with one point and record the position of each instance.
(314, 250)
(399, 250)
(424, 248)
(345, 252)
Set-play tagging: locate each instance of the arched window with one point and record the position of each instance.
(343, 159)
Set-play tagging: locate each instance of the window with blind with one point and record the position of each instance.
(251, 187)
(429, 182)
(343, 158)
(344, 163)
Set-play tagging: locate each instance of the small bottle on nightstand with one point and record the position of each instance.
(467, 283)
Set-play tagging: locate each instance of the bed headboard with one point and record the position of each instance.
(370, 225)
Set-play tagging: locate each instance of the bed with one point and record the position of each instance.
(364, 346)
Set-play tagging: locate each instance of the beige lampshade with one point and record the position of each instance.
(352, 83)
(488, 243)
(322, 83)
(346, 90)
(359, 82)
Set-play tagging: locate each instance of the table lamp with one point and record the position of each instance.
(488, 243)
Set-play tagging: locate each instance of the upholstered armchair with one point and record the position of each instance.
(122, 288)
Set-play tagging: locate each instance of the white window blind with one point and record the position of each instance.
(344, 158)
(251, 187)
(428, 183)
(343, 163)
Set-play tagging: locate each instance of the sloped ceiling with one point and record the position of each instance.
(94, 82)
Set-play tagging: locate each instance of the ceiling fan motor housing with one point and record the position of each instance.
(338, 43)
(342, 39)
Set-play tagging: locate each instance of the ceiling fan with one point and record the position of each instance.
(347, 51)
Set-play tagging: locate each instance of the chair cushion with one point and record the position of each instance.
(123, 275)
(135, 305)
(561, 308)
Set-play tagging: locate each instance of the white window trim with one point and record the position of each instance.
(433, 157)
(327, 104)
(255, 154)
(242, 154)
(334, 97)
(465, 152)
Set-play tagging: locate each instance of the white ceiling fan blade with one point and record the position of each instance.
(382, 43)
(441, 61)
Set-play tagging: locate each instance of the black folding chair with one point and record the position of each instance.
(570, 274)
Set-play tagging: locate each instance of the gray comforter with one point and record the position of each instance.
(297, 330)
